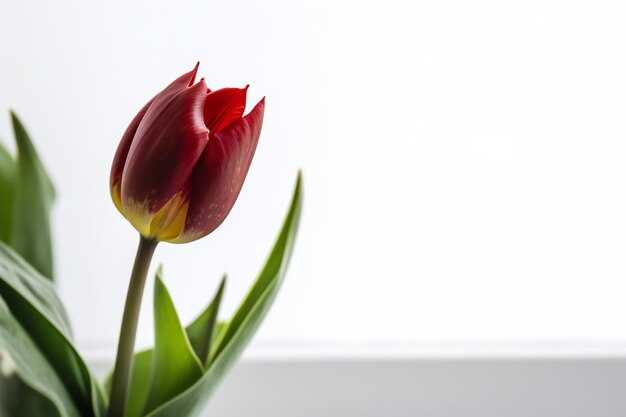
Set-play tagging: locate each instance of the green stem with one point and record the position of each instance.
(126, 346)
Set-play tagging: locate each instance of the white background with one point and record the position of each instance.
(464, 162)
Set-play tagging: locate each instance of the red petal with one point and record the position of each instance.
(224, 106)
(119, 159)
(168, 143)
(220, 173)
(122, 152)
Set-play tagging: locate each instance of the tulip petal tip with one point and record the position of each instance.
(192, 79)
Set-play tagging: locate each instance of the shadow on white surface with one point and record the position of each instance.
(463, 388)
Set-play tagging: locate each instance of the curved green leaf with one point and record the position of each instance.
(36, 290)
(7, 192)
(202, 330)
(141, 374)
(19, 399)
(34, 194)
(175, 366)
(139, 383)
(220, 332)
(29, 386)
(245, 322)
(35, 305)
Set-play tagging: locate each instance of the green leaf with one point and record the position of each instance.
(7, 192)
(19, 399)
(18, 276)
(142, 369)
(267, 283)
(220, 332)
(175, 366)
(29, 386)
(34, 195)
(33, 302)
(245, 322)
(139, 383)
(202, 330)
(141, 373)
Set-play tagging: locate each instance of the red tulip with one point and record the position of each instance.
(183, 159)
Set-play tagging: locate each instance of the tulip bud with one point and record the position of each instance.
(183, 159)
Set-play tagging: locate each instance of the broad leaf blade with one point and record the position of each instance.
(35, 305)
(7, 193)
(19, 399)
(34, 195)
(18, 275)
(245, 322)
(202, 330)
(175, 367)
(27, 375)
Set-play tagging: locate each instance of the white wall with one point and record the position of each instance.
(465, 162)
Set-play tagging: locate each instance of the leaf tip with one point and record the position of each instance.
(13, 115)
(159, 285)
(222, 284)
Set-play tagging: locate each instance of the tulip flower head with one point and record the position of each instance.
(182, 161)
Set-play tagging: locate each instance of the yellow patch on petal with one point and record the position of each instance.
(185, 237)
(116, 194)
(169, 221)
(139, 216)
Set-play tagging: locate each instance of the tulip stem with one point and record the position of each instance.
(126, 344)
